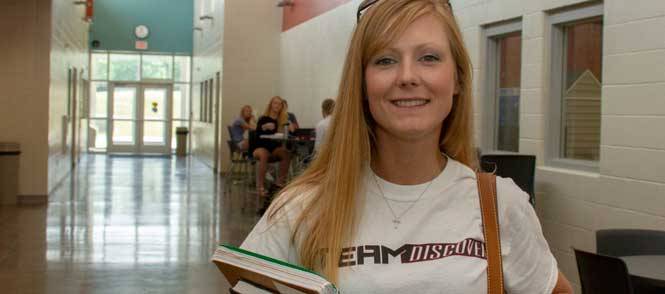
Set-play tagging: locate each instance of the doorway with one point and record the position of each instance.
(140, 118)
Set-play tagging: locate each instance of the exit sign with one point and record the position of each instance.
(141, 45)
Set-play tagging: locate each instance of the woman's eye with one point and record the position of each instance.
(384, 61)
(430, 58)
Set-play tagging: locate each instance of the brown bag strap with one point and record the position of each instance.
(488, 206)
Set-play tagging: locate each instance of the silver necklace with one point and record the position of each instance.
(397, 218)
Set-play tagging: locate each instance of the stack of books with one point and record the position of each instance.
(251, 273)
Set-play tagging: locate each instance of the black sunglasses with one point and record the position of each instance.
(367, 4)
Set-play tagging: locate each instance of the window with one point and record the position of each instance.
(139, 68)
(99, 64)
(576, 84)
(202, 98)
(99, 100)
(503, 87)
(157, 67)
(180, 101)
(181, 68)
(124, 67)
(209, 105)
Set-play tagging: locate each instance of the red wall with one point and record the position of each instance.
(304, 10)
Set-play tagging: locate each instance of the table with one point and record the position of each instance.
(649, 268)
(301, 149)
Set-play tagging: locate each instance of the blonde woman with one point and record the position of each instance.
(273, 120)
(390, 204)
(240, 125)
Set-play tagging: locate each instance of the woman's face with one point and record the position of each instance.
(410, 84)
(247, 112)
(276, 105)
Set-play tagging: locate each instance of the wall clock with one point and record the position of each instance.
(141, 31)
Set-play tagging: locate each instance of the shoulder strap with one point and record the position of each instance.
(488, 206)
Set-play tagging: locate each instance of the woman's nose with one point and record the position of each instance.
(408, 75)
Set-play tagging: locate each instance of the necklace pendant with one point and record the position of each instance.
(396, 222)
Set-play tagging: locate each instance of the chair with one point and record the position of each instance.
(239, 158)
(301, 150)
(600, 274)
(519, 167)
(626, 242)
(239, 165)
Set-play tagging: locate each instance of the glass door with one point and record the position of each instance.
(139, 118)
(123, 118)
(155, 124)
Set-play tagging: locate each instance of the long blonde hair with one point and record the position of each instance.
(282, 117)
(334, 179)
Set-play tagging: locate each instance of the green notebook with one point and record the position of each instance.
(250, 272)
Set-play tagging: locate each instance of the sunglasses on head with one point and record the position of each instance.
(364, 6)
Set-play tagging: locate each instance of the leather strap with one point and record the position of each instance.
(488, 206)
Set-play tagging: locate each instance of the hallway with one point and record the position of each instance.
(123, 225)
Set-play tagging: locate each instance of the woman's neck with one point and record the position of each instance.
(407, 162)
(274, 115)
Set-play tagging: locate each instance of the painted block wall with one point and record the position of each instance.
(169, 21)
(206, 62)
(246, 54)
(69, 50)
(45, 39)
(628, 190)
(251, 61)
(24, 76)
(312, 57)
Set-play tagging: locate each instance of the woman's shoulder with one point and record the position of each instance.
(508, 193)
(511, 200)
(290, 203)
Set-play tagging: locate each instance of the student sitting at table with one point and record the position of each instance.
(244, 122)
(272, 121)
(327, 108)
(293, 121)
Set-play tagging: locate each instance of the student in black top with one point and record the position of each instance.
(273, 121)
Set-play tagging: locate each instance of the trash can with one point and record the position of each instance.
(181, 141)
(9, 164)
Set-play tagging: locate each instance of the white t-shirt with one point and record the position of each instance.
(437, 248)
(321, 129)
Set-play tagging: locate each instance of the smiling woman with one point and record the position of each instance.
(411, 83)
(390, 203)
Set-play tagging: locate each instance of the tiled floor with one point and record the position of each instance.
(123, 225)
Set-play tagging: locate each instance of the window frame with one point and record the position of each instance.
(556, 23)
(211, 93)
(173, 81)
(491, 35)
(202, 100)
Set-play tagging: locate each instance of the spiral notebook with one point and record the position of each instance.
(251, 273)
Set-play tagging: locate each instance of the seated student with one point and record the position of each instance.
(293, 121)
(271, 122)
(327, 108)
(394, 206)
(244, 122)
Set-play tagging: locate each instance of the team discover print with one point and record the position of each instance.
(410, 253)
